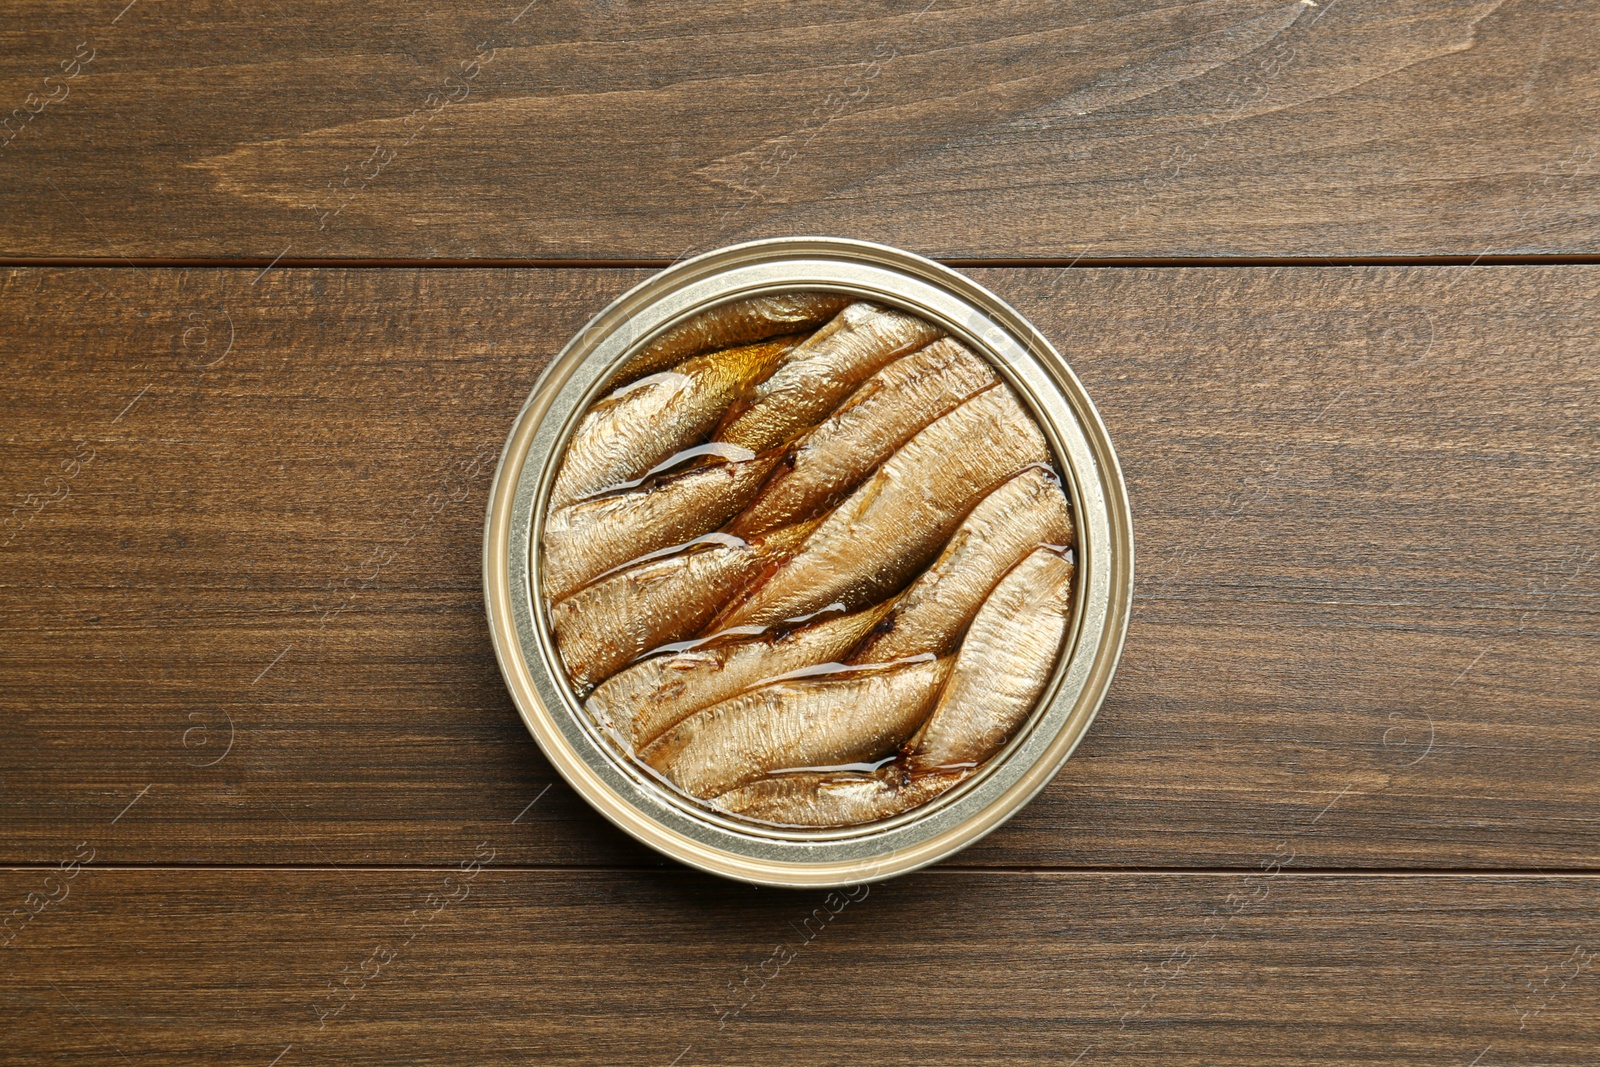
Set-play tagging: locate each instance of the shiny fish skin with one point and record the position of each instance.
(601, 628)
(900, 517)
(808, 722)
(1025, 512)
(641, 424)
(835, 798)
(1007, 657)
(737, 322)
(814, 376)
(584, 540)
(831, 459)
(651, 697)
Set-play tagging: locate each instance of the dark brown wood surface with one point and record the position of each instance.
(1364, 625)
(263, 798)
(513, 966)
(587, 131)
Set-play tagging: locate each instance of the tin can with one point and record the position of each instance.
(639, 803)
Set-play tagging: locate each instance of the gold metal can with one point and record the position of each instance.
(639, 803)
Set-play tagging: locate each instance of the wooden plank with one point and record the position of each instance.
(1365, 628)
(567, 131)
(441, 966)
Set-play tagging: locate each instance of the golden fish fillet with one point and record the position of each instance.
(1007, 657)
(835, 798)
(1024, 513)
(897, 520)
(737, 322)
(584, 540)
(821, 371)
(649, 698)
(606, 625)
(808, 722)
(831, 459)
(650, 420)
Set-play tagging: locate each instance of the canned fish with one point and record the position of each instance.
(808, 562)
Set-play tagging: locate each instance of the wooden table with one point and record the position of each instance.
(279, 277)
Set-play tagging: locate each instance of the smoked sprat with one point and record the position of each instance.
(809, 562)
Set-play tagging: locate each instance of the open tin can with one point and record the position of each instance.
(645, 806)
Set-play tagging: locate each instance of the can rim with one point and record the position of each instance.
(520, 633)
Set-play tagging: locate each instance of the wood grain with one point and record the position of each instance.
(937, 968)
(1364, 632)
(582, 131)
